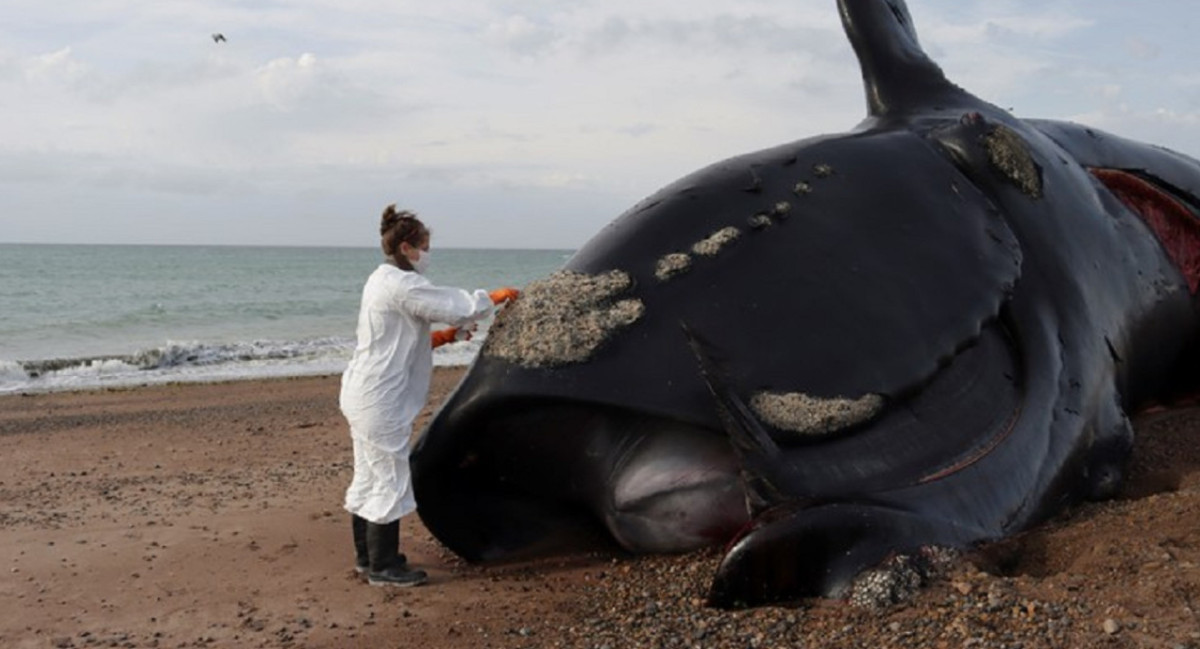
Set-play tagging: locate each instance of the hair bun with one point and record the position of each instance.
(391, 217)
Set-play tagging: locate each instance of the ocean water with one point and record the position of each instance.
(80, 316)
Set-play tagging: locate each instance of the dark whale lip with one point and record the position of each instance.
(480, 514)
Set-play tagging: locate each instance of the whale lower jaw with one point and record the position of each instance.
(544, 476)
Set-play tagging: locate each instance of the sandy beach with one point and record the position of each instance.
(208, 515)
(205, 515)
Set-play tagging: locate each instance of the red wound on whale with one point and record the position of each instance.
(1176, 227)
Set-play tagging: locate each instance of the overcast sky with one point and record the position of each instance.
(507, 123)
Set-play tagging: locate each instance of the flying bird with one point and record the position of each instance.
(218, 38)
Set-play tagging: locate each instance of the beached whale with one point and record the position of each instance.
(925, 333)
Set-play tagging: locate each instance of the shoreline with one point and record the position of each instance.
(184, 383)
(122, 371)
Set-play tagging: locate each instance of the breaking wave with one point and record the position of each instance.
(198, 362)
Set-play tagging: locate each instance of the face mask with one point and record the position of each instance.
(421, 263)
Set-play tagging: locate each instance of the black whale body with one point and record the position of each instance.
(1003, 291)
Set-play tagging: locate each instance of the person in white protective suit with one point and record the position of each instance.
(386, 385)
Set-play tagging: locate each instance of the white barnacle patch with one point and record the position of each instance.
(562, 319)
(671, 265)
(822, 170)
(894, 582)
(802, 188)
(807, 415)
(759, 221)
(900, 577)
(1009, 154)
(712, 245)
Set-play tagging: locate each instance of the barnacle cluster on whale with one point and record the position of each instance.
(807, 415)
(672, 264)
(563, 319)
(1010, 155)
(711, 245)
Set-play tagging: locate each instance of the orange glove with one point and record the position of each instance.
(502, 295)
(443, 336)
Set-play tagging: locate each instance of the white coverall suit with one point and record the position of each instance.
(387, 382)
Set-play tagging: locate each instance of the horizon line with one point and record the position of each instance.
(265, 245)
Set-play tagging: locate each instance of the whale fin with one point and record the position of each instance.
(794, 551)
(898, 76)
(760, 457)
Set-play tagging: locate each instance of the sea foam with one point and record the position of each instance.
(184, 362)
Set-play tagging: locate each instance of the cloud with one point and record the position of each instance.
(149, 78)
(1047, 26)
(521, 36)
(287, 83)
(1167, 127)
(1142, 49)
(54, 67)
(512, 106)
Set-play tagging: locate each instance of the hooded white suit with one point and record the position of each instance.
(387, 382)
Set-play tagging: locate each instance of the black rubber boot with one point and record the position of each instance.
(362, 560)
(385, 567)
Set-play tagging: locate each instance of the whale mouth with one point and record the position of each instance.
(1174, 222)
(535, 477)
